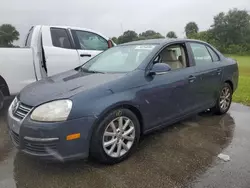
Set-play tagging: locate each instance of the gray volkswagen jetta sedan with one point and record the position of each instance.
(101, 108)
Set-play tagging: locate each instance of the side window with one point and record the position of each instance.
(29, 37)
(91, 41)
(60, 38)
(215, 57)
(201, 54)
(173, 55)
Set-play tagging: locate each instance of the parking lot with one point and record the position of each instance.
(182, 155)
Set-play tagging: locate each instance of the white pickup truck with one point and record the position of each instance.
(48, 50)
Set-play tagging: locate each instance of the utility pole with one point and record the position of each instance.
(122, 28)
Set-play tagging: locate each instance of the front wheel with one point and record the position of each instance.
(115, 137)
(223, 103)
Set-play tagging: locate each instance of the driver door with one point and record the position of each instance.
(88, 44)
(171, 93)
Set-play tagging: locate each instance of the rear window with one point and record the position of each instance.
(215, 57)
(60, 38)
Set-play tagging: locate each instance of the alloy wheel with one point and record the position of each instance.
(118, 137)
(225, 98)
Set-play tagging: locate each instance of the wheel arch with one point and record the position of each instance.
(138, 114)
(230, 83)
(4, 87)
(128, 106)
(125, 105)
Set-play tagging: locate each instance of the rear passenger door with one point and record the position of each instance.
(88, 44)
(59, 53)
(207, 72)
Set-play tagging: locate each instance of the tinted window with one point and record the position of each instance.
(60, 38)
(201, 54)
(91, 41)
(119, 59)
(215, 57)
(29, 37)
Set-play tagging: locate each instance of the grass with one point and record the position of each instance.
(242, 94)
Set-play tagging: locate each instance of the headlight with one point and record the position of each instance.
(53, 111)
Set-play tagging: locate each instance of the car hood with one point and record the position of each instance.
(63, 85)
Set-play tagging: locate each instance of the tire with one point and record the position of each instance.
(99, 146)
(219, 109)
(1, 100)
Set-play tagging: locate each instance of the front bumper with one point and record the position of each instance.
(48, 140)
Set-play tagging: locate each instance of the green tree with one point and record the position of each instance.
(150, 34)
(206, 36)
(171, 34)
(128, 36)
(114, 39)
(230, 32)
(191, 28)
(232, 27)
(8, 34)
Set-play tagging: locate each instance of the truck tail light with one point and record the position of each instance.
(110, 44)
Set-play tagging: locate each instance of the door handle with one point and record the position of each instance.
(218, 71)
(85, 55)
(191, 78)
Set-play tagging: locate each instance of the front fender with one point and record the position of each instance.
(231, 74)
(98, 106)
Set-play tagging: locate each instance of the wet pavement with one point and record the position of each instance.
(182, 155)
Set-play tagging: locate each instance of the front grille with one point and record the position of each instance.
(15, 137)
(40, 147)
(21, 110)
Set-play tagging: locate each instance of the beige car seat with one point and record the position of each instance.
(168, 56)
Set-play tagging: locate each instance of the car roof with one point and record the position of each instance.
(161, 41)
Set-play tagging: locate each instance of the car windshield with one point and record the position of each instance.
(119, 59)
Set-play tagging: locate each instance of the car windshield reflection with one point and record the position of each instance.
(119, 59)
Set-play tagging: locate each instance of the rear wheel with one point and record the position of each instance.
(223, 103)
(1, 100)
(115, 137)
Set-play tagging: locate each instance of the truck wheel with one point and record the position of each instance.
(115, 137)
(1, 100)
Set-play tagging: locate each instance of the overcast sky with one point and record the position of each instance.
(111, 17)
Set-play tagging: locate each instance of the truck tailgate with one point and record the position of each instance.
(16, 67)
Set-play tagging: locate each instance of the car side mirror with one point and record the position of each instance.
(159, 68)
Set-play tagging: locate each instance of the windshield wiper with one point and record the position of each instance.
(90, 71)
